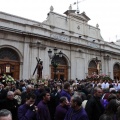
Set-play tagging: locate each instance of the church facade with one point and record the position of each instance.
(24, 42)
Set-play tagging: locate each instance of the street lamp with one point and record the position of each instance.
(54, 61)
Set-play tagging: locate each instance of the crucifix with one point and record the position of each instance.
(39, 68)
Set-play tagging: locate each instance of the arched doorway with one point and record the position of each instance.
(9, 62)
(61, 71)
(92, 68)
(116, 71)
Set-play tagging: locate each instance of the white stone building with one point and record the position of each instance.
(84, 50)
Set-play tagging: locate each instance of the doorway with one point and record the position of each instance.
(116, 71)
(61, 70)
(9, 62)
(92, 68)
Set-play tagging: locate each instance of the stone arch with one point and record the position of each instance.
(10, 59)
(61, 71)
(116, 71)
(92, 68)
(67, 60)
(15, 49)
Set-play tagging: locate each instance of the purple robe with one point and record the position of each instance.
(66, 94)
(43, 111)
(25, 113)
(60, 112)
(76, 115)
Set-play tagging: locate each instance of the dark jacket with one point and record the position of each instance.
(94, 108)
(3, 94)
(11, 105)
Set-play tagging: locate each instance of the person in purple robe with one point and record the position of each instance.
(62, 108)
(66, 91)
(76, 112)
(28, 111)
(43, 109)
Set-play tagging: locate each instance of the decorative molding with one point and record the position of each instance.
(60, 37)
(78, 27)
(107, 57)
(51, 8)
(37, 45)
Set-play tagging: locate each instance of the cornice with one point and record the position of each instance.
(6, 29)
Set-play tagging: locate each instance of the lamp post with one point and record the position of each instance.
(54, 61)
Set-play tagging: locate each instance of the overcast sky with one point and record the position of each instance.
(104, 12)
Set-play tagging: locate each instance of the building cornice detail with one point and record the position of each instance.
(61, 38)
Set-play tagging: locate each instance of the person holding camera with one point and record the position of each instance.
(28, 111)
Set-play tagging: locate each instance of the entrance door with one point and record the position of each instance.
(92, 68)
(61, 72)
(116, 75)
(9, 62)
(10, 68)
(116, 71)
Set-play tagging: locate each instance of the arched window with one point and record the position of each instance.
(92, 64)
(116, 67)
(59, 60)
(8, 53)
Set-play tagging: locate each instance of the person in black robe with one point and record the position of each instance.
(94, 107)
(10, 103)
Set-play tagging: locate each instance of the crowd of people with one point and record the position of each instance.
(60, 100)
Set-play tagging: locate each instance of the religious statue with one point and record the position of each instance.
(39, 70)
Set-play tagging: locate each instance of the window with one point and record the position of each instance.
(92, 64)
(8, 53)
(7, 68)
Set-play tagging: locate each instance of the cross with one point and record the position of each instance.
(77, 5)
(38, 62)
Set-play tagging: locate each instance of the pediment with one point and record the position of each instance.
(85, 16)
(81, 16)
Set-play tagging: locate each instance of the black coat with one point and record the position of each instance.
(11, 105)
(94, 108)
(3, 94)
